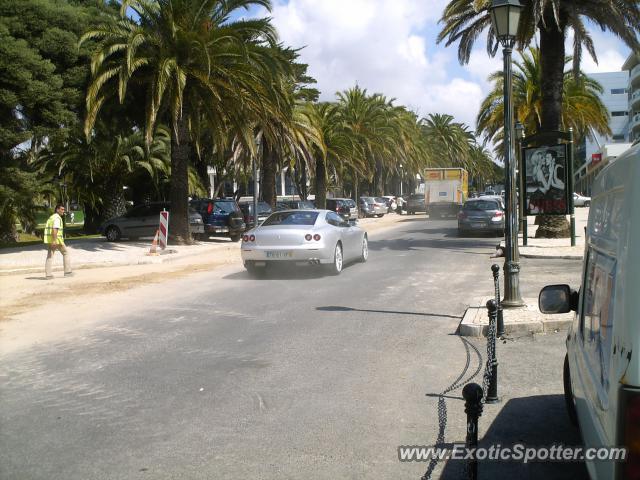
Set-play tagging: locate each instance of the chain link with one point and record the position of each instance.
(491, 341)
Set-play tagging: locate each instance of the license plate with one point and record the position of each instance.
(285, 254)
(222, 229)
(197, 229)
(477, 225)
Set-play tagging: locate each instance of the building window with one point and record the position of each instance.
(619, 114)
(618, 91)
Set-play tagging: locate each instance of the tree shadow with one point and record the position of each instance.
(535, 421)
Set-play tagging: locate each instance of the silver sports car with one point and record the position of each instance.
(304, 236)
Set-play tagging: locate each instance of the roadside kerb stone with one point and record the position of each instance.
(517, 321)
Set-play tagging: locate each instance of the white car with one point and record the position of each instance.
(602, 365)
(316, 237)
(581, 201)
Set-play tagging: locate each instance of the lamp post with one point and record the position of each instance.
(505, 16)
(519, 128)
(255, 181)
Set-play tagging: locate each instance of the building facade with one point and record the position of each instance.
(632, 65)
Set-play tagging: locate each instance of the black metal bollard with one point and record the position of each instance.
(496, 285)
(472, 394)
(492, 361)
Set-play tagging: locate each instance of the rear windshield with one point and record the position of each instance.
(263, 207)
(368, 199)
(481, 205)
(224, 207)
(350, 203)
(291, 218)
(306, 204)
(381, 200)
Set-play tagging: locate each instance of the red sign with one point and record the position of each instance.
(595, 159)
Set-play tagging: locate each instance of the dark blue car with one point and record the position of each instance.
(221, 217)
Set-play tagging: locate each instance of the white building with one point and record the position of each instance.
(615, 99)
(632, 65)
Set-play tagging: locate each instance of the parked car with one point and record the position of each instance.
(416, 203)
(372, 208)
(481, 215)
(580, 200)
(316, 237)
(345, 207)
(602, 365)
(221, 217)
(143, 221)
(264, 210)
(391, 203)
(295, 205)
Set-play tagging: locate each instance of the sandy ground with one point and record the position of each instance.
(31, 306)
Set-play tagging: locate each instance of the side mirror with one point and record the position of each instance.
(557, 299)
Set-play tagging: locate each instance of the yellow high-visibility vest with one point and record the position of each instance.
(48, 230)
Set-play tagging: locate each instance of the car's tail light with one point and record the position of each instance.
(308, 237)
(630, 426)
(252, 238)
(497, 216)
(245, 238)
(209, 208)
(316, 237)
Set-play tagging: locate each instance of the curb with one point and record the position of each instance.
(551, 257)
(468, 328)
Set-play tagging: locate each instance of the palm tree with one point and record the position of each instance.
(582, 108)
(201, 69)
(464, 20)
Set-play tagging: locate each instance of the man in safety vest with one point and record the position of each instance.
(54, 239)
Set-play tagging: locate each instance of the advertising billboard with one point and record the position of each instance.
(546, 180)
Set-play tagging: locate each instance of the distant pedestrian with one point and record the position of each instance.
(54, 239)
(399, 205)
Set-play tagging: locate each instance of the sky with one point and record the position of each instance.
(389, 47)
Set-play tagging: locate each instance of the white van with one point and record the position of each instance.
(602, 366)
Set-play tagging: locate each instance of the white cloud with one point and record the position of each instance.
(381, 45)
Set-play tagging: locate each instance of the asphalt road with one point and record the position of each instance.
(298, 375)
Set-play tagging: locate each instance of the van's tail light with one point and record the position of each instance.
(629, 427)
(308, 237)
(316, 237)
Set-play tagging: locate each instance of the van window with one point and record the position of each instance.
(597, 314)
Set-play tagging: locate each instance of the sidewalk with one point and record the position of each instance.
(554, 247)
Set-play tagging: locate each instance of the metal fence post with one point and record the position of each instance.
(496, 286)
(472, 394)
(492, 361)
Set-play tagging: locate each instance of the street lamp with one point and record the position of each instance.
(519, 128)
(505, 16)
(255, 180)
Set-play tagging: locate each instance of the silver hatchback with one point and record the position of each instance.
(481, 215)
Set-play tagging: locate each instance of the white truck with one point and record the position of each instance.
(445, 190)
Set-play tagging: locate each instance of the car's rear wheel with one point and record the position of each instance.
(568, 393)
(587, 204)
(112, 233)
(338, 261)
(364, 255)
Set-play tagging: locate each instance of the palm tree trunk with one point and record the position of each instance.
(269, 175)
(321, 183)
(180, 153)
(552, 54)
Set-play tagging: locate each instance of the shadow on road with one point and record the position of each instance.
(335, 308)
(288, 272)
(535, 421)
